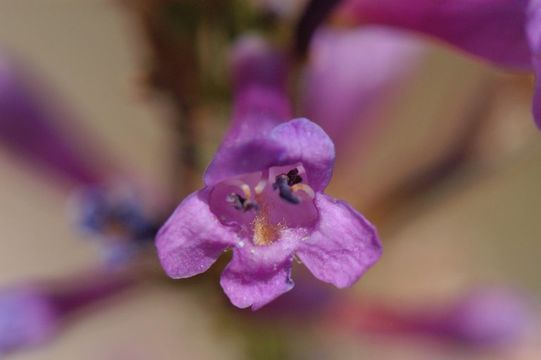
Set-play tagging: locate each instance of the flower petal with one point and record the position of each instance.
(343, 246)
(259, 78)
(296, 141)
(248, 283)
(486, 316)
(534, 36)
(303, 141)
(192, 239)
(246, 147)
(258, 137)
(258, 274)
(333, 97)
(254, 61)
(35, 127)
(537, 92)
(27, 318)
(491, 29)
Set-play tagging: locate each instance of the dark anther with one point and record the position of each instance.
(241, 203)
(284, 182)
(293, 177)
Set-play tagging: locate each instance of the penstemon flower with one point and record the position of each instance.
(33, 128)
(332, 95)
(491, 29)
(263, 199)
(534, 35)
(31, 314)
(117, 219)
(27, 318)
(504, 32)
(487, 317)
(39, 132)
(484, 317)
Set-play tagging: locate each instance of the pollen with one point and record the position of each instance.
(265, 232)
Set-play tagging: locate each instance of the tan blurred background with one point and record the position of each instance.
(480, 225)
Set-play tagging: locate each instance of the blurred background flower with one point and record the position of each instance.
(437, 148)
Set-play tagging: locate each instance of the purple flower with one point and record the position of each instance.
(489, 316)
(27, 318)
(332, 94)
(263, 199)
(505, 32)
(534, 36)
(32, 314)
(117, 219)
(35, 129)
(485, 317)
(269, 207)
(491, 29)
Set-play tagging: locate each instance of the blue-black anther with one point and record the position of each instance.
(284, 182)
(241, 203)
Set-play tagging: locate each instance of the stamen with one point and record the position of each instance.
(245, 188)
(303, 187)
(236, 200)
(241, 203)
(284, 184)
(260, 186)
(293, 177)
(284, 189)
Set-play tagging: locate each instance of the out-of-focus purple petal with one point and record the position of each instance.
(491, 29)
(193, 238)
(537, 92)
(489, 316)
(257, 111)
(483, 318)
(342, 247)
(296, 141)
(72, 294)
(260, 103)
(32, 128)
(32, 314)
(534, 36)
(351, 71)
(259, 74)
(255, 62)
(534, 26)
(27, 318)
